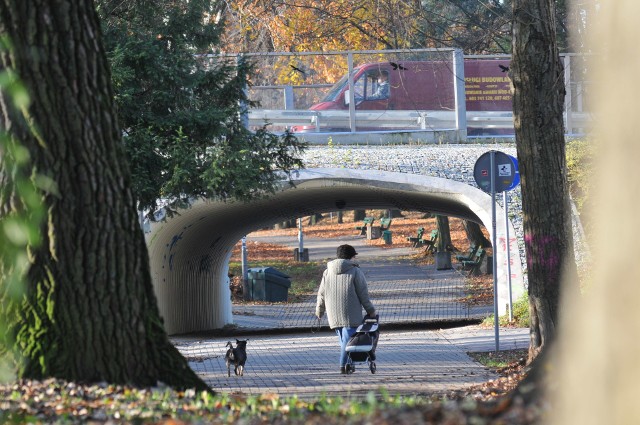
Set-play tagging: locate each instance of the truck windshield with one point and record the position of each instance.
(337, 88)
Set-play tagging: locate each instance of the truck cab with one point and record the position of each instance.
(411, 86)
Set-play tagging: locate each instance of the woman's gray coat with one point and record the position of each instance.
(343, 293)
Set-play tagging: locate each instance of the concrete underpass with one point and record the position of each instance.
(189, 253)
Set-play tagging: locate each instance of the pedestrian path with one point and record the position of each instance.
(409, 361)
(306, 364)
(403, 292)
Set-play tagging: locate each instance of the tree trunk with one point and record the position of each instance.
(359, 215)
(90, 313)
(395, 213)
(538, 100)
(314, 219)
(474, 234)
(288, 224)
(443, 243)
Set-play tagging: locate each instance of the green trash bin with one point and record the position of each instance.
(387, 237)
(268, 284)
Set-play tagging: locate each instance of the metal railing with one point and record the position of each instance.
(285, 106)
(316, 126)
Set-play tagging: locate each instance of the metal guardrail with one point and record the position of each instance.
(317, 120)
(327, 120)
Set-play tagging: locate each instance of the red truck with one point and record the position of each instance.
(421, 86)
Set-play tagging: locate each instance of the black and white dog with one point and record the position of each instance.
(236, 356)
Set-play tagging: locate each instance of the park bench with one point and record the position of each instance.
(415, 241)
(374, 232)
(469, 255)
(368, 221)
(473, 265)
(431, 242)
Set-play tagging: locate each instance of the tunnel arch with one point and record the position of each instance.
(189, 253)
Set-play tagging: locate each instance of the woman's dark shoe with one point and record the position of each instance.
(343, 370)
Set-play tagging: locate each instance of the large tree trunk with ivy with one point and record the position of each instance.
(89, 312)
(539, 91)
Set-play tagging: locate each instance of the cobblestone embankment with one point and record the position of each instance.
(453, 162)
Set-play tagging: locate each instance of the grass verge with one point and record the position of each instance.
(501, 359)
(521, 318)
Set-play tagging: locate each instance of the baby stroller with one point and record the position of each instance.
(361, 348)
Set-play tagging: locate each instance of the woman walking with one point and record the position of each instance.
(343, 294)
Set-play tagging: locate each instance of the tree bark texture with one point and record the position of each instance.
(443, 243)
(90, 313)
(537, 76)
(475, 235)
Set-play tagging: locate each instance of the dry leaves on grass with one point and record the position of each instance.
(510, 374)
(56, 401)
(401, 229)
(263, 252)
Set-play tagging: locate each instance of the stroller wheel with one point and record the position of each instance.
(372, 367)
(350, 368)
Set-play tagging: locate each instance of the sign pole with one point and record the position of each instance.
(245, 269)
(506, 232)
(493, 172)
(300, 239)
(492, 168)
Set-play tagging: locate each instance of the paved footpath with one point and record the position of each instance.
(303, 363)
(306, 364)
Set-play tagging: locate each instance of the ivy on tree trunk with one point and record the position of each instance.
(89, 313)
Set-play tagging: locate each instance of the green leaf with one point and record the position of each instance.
(16, 231)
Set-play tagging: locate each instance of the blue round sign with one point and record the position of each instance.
(504, 172)
(516, 178)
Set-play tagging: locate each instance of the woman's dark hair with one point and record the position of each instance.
(346, 252)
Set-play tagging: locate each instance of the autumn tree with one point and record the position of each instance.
(538, 101)
(312, 25)
(89, 312)
(307, 25)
